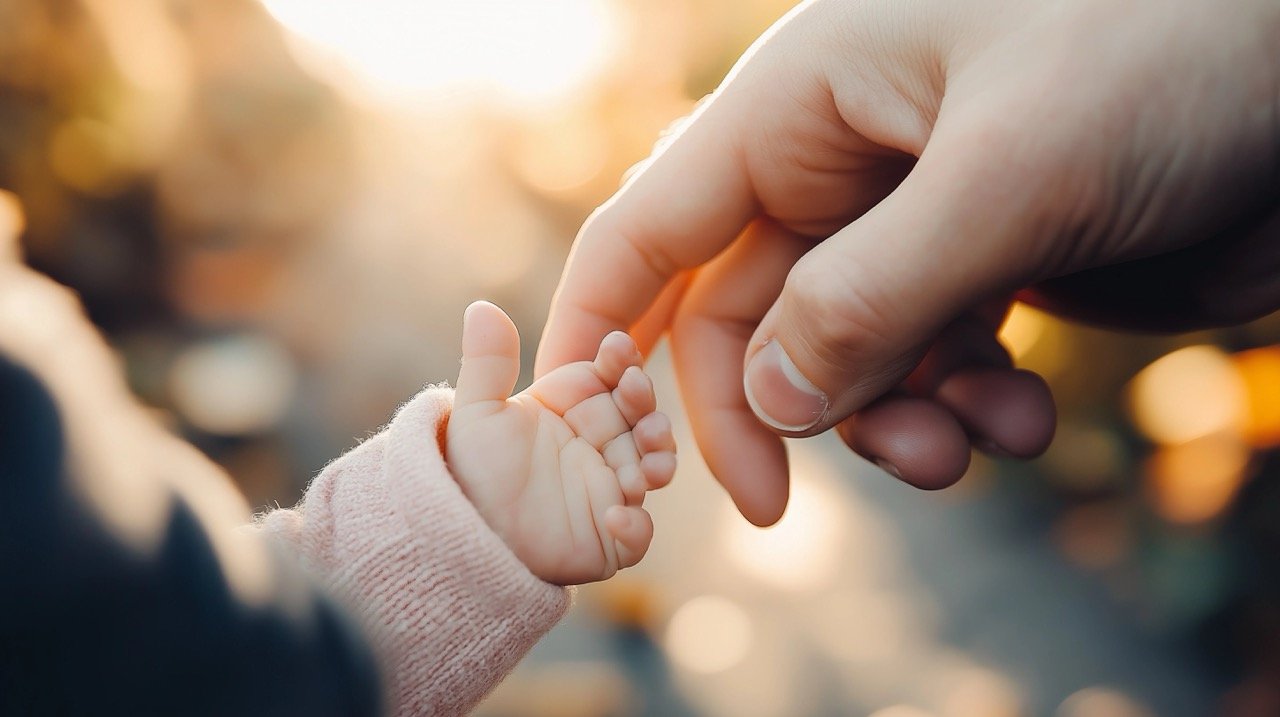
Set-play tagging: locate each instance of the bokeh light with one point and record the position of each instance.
(1187, 394)
(1195, 481)
(233, 385)
(12, 223)
(980, 692)
(1260, 371)
(708, 634)
(1033, 340)
(1022, 329)
(1101, 702)
(561, 154)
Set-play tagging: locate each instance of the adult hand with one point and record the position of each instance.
(844, 221)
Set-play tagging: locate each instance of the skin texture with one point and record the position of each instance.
(560, 470)
(877, 180)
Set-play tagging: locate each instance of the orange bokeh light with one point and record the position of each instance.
(1195, 481)
(1260, 371)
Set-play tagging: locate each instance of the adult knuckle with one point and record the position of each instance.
(840, 316)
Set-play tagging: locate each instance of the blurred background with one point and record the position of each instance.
(276, 211)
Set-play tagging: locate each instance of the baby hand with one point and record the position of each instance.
(561, 469)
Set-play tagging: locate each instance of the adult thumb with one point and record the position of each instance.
(859, 311)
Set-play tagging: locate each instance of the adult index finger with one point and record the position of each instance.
(688, 202)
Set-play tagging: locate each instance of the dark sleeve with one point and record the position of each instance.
(90, 626)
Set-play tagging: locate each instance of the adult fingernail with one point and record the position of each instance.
(992, 448)
(889, 468)
(779, 394)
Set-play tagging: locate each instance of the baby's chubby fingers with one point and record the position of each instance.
(634, 395)
(617, 353)
(569, 386)
(657, 445)
(653, 434)
(632, 529)
(658, 469)
(623, 457)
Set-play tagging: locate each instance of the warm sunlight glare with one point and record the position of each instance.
(802, 551)
(528, 50)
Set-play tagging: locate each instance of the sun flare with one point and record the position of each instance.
(407, 48)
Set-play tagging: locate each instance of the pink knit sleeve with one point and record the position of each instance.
(447, 607)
